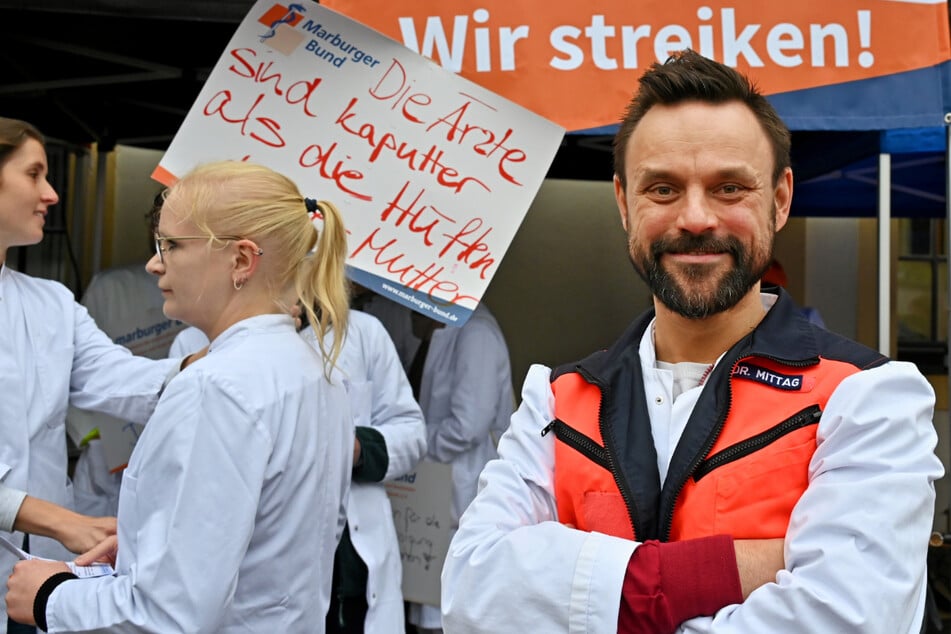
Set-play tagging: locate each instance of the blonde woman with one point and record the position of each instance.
(232, 502)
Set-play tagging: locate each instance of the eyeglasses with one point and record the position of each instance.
(162, 247)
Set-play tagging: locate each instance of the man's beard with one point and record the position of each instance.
(699, 302)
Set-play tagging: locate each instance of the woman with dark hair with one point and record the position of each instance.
(51, 354)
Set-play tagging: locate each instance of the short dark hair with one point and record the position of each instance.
(688, 76)
(13, 134)
(152, 215)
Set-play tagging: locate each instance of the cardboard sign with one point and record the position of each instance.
(433, 174)
(422, 513)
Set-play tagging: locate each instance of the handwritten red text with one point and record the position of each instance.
(455, 127)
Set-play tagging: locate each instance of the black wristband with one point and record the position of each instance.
(43, 595)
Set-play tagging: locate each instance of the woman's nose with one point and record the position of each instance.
(155, 265)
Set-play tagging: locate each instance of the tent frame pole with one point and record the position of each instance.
(884, 252)
(947, 255)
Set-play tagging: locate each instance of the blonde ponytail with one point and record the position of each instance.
(322, 286)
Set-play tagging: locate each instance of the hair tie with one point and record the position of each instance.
(311, 205)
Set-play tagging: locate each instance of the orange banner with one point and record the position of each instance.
(577, 64)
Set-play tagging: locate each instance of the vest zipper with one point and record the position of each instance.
(669, 516)
(808, 416)
(578, 441)
(608, 438)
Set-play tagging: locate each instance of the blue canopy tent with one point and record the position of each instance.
(918, 176)
(891, 154)
(888, 157)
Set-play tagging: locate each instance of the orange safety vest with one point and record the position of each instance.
(745, 484)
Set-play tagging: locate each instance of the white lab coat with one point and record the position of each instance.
(397, 320)
(188, 341)
(127, 305)
(230, 506)
(52, 353)
(381, 398)
(466, 397)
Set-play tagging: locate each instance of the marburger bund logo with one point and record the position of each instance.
(280, 34)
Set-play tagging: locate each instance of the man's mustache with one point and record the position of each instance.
(700, 244)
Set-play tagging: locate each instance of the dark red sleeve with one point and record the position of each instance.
(668, 583)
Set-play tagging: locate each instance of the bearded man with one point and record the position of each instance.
(725, 466)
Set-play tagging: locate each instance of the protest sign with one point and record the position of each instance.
(433, 174)
(422, 513)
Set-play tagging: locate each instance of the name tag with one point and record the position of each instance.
(759, 374)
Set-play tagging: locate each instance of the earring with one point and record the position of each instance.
(237, 285)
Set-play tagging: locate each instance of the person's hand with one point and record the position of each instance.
(104, 552)
(82, 532)
(356, 451)
(758, 561)
(76, 532)
(24, 583)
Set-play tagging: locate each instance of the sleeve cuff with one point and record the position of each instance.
(669, 583)
(374, 460)
(43, 596)
(10, 502)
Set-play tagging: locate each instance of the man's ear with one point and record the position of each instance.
(621, 198)
(782, 197)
